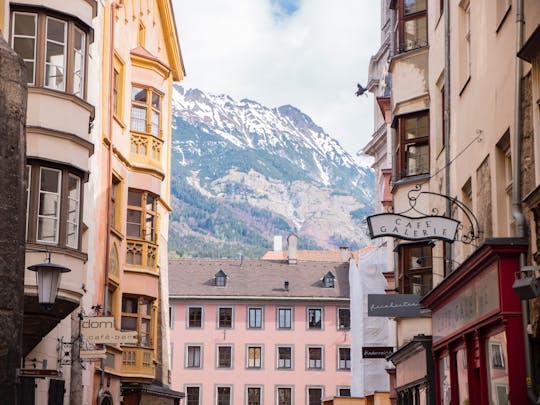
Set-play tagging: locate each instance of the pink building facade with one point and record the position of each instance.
(259, 332)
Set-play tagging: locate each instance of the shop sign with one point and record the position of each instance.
(376, 352)
(100, 330)
(394, 305)
(93, 354)
(38, 373)
(408, 228)
(479, 298)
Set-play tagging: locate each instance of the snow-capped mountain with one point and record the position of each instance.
(274, 163)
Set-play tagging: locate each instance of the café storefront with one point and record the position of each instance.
(477, 329)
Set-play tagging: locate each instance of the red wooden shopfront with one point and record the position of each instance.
(477, 329)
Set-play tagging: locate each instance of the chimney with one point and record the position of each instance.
(344, 252)
(292, 242)
(286, 285)
(278, 243)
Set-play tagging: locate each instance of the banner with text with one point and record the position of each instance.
(403, 227)
(100, 329)
(394, 305)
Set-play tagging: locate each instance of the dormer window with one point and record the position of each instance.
(328, 280)
(220, 279)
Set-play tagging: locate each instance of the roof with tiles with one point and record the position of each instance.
(257, 278)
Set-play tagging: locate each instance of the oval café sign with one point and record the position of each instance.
(403, 227)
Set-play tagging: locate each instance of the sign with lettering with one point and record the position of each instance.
(403, 227)
(93, 354)
(376, 352)
(479, 298)
(100, 329)
(394, 305)
(38, 373)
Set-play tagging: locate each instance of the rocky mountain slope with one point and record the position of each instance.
(243, 172)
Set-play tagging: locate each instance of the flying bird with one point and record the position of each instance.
(360, 90)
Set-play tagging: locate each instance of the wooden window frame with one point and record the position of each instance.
(139, 317)
(282, 363)
(314, 325)
(227, 357)
(341, 326)
(224, 401)
(255, 361)
(315, 362)
(40, 47)
(342, 360)
(189, 398)
(222, 321)
(35, 168)
(148, 106)
(402, 144)
(144, 213)
(405, 273)
(190, 320)
(286, 401)
(258, 400)
(400, 27)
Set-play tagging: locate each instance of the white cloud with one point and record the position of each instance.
(312, 59)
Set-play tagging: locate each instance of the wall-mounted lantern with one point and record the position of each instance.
(47, 281)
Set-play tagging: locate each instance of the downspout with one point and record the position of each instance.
(448, 247)
(517, 212)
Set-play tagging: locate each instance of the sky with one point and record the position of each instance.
(307, 53)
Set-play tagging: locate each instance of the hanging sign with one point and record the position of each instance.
(376, 352)
(93, 354)
(409, 228)
(100, 329)
(394, 305)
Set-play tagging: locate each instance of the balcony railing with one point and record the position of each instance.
(146, 149)
(138, 362)
(142, 254)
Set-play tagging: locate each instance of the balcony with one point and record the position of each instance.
(137, 362)
(146, 151)
(142, 255)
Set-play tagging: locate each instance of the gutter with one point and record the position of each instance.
(255, 298)
(517, 212)
(446, 114)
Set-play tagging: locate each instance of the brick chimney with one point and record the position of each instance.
(292, 243)
(344, 253)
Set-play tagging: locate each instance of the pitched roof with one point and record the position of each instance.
(309, 255)
(256, 278)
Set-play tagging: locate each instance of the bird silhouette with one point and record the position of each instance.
(360, 90)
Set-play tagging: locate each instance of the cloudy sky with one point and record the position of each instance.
(308, 53)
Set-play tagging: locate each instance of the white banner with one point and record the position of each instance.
(403, 227)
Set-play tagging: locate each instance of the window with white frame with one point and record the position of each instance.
(284, 357)
(315, 358)
(193, 395)
(225, 317)
(254, 357)
(224, 357)
(284, 316)
(255, 318)
(223, 395)
(314, 316)
(193, 356)
(344, 358)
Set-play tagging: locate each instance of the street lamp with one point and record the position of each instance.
(48, 280)
(527, 284)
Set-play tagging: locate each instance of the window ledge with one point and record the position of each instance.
(66, 96)
(56, 249)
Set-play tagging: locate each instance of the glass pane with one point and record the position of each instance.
(129, 323)
(29, 76)
(138, 94)
(254, 396)
(315, 396)
(416, 127)
(150, 203)
(154, 116)
(56, 30)
(497, 370)
(129, 305)
(145, 332)
(149, 230)
(25, 24)
(415, 33)
(284, 396)
(50, 180)
(414, 6)
(144, 307)
(134, 198)
(133, 225)
(195, 317)
(24, 47)
(138, 119)
(314, 318)
(78, 40)
(78, 62)
(462, 380)
(417, 158)
(444, 384)
(54, 76)
(47, 230)
(192, 394)
(55, 54)
(155, 100)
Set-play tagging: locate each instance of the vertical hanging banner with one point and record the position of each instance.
(409, 228)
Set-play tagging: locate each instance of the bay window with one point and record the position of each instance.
(137, 316)
(412, 145)
(141, 215)
(53, 49)
(145, 110)
(54, 196)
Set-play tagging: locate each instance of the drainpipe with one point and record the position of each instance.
(516, 144)
(448, 251)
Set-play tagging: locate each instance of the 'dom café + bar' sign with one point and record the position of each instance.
(100, 329)
(403, 227)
